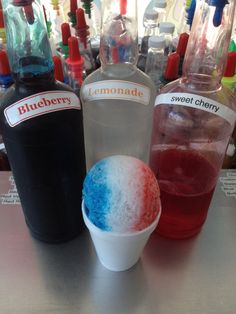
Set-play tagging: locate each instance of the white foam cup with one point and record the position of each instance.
(118, 251)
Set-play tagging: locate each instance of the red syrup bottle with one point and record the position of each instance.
(41, 125)
(194, 117)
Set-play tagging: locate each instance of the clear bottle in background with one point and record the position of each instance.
(194, 117)
(155, 59)
(166, 29)
(117, 98)
(150, 23)
(160, 7)
(175, 13)
(55, 13)
(83, 34)
(42, 128)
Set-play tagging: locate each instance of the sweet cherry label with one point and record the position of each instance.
(198, 102)
(115, 89)
(40, 104)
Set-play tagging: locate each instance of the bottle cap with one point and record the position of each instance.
(182, 44)
(73, 6)
(156, 42)
(1, 19)
(58, 70)
(151, 15)
(160, 4)
(166, 27)
(65, 32)
(230, 64)
(4, 64)
(172, 67)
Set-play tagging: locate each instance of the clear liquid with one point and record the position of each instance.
(117, 126)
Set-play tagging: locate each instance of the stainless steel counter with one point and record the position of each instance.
(173, 277)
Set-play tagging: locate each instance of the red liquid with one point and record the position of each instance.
(187, 181)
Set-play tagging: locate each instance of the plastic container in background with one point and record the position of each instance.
(42, 128)
(160, 7)
(156, 59)
(193, 121)
(150, 23)
(166, 29)
(55, 15)
(117, 98)
(118, 251)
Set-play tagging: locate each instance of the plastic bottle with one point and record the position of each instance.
(41, 125)
(194, 117)
(150, 23)
(160, 8)
(166, 29)
(5, 82)
(55, 13)
(82, 32)
(117, 98)
(175, 13)
(155, 59)
(75, 65)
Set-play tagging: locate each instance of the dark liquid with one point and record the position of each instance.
(187, 181)
(46, 155)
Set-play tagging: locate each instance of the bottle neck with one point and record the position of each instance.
(119, 37)
(207, 45)
(28, 47)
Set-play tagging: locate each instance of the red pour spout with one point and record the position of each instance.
(172, 66)
(230, 64)
(66, 34)
(4, 64)
(1, 19)
(73, 6)
(58, 70)
(81, 26)
(182, 44)
(123, 7)
(74, 53)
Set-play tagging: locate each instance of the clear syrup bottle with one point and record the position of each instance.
(194, 117)
(117, 98)
(155, 59)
